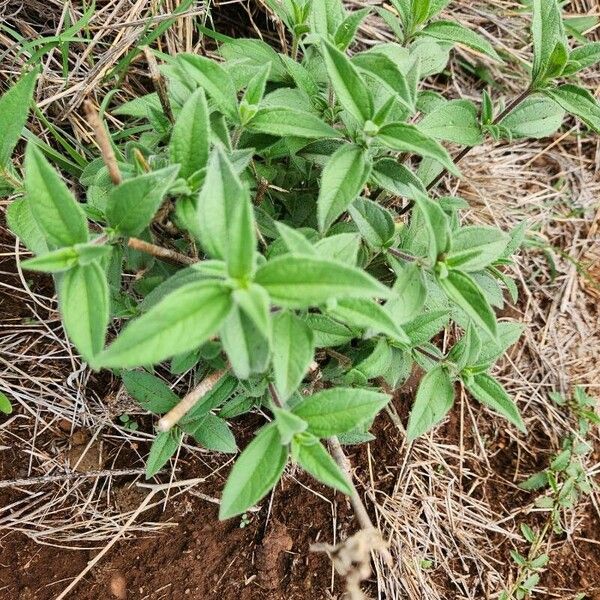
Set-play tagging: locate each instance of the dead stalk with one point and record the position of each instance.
(190, 400)
(158, 81)
(160, 252)
(103, 141)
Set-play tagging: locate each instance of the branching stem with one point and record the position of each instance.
(516, 101)
(103, 141)
(190, 400)
(160, 252)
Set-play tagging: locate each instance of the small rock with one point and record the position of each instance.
(118, 586)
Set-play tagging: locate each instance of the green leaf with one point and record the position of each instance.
(396, 178)
(164, 446)
(474, 248)
(214, 79)
(302, 281)
(450, 31)
(410, 294)
(255, 303)
(403, 137)
(455, 121)
(327, 332)
(347, 29)
(550, 49)
(342, 247)
(460, 288)
(56, 261)
(132, 204)
(422, 328)
(190, 138)
(213, 433)
(255, 53)
(295, 241)
(22, 223)
(583, 57)
(375, 223)
(220, 393)
(436, 224)
(246, 346)
(152, 393)
(312, 456)
(5, 404)
(14, 108)
(338, 410)
(293, 352)
(367, 313)
(288, 424)
(326, 16)
(289, 122)
(488, 391)
(182, 321)
(255, 472)
(226, 217)
(58, 214)
(344, 176)
(434, 399)
(382, 68)
(352, 92)
(508, 334)
(84, 303)
(256, 88)
(535, 117)
(579, 102)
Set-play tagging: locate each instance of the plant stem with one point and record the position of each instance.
(103, 141)
(516, 101)
(160, 252)
(190, 400)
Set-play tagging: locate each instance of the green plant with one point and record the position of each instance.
(564, 480)
(272, 253)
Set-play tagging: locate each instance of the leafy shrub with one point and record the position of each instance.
(271, 248)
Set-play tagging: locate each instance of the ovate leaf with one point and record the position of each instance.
(579, 102)
(57, 213)
(583, 57)
(287, 122)
(214, 79)
(301, 281)
(84, 304)
(190, 138)
(434, 399)
(226, 217)
(152, 393)
(213, 433)
(450, 31)
(164, 446)
(374, 222)
(455, 121)
(460, 288)
(366, 313)
(410, 294)
(404, 137)
(535, 117)
(488, 391)
(132, 204)
(352, 92)
(182, 321)
(293, 352)
(255, 472)
(312, 456)
(339, 410)
(474, 248)
(14, 107)
(436, 224)
(344, 176)
(550, 49)
(22, 223)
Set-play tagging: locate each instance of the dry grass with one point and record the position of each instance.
(454, 500)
